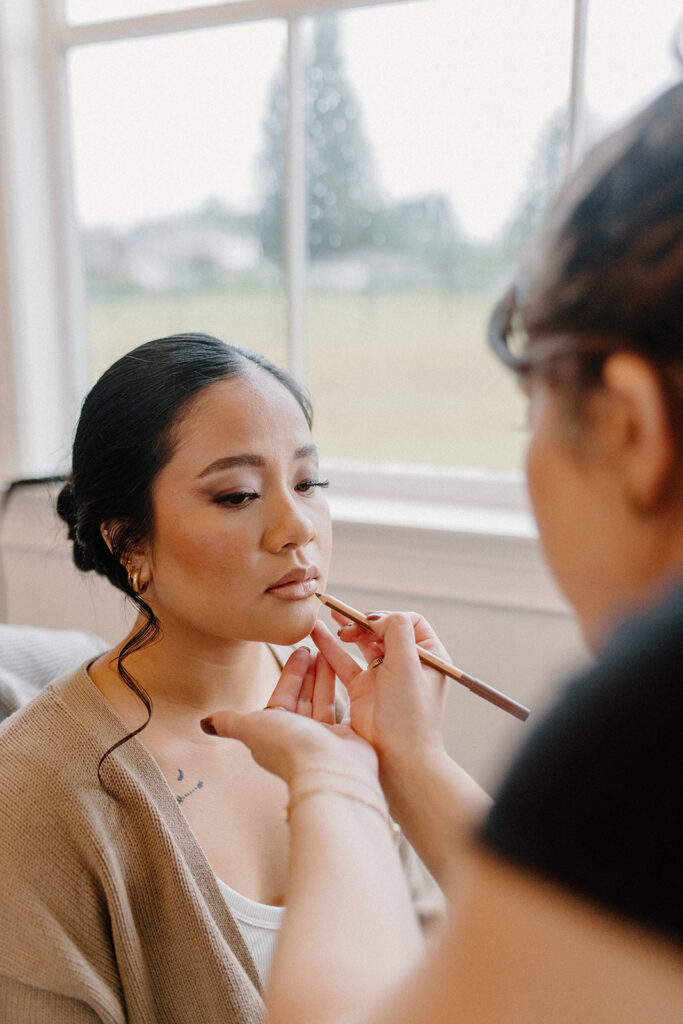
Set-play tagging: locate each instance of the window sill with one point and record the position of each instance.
(463, 554)
(399, 548)
(482, 520)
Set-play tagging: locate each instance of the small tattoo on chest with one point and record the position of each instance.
(184, 796)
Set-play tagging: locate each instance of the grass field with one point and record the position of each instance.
(401, 375)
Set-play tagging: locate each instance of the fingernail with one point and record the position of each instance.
(208, 726)
(372, 617)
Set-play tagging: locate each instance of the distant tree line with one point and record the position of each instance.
(356, 237)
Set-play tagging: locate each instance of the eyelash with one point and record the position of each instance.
(227, 499)
(309, 485)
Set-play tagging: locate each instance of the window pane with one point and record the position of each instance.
(167, 135)
(629, 58)
(436, 133)
(80, 11)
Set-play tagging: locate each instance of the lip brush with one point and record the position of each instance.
(475, 685)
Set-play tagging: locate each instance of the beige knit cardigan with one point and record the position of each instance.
(109, 910)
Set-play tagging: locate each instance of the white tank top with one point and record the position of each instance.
(259, 924)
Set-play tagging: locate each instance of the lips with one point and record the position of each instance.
(296, 585)
(306, 575)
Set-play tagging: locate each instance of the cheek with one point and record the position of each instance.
(543, 474)
(324, 538)
(199, 548)
(547, 496)
(533, 473)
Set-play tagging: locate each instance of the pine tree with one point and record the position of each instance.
(341, 193)
(543, 182)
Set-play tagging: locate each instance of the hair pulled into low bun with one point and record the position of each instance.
(90, 553)
(66, 508)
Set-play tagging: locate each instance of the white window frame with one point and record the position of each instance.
(42, 355)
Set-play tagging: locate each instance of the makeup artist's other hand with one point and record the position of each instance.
(288, 741)
(397, 706)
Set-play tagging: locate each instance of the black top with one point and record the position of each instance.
(594, 801)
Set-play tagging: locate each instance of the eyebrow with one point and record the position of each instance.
(229, 461)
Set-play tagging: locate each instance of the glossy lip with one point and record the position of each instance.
(301, 575)
(297, 590)
(296, 585)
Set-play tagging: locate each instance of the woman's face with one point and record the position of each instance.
(242, 532)
(575, 502)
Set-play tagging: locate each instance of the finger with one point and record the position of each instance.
(345, 667)
(323, 693)
(400, 649)
(369, 644)
(423, 634)
(399, 640)
(349, 629)
(304, 705)
(228, 725)
(275, 738)
(288, 688)
(342, 620)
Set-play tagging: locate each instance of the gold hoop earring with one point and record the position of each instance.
(134, 579)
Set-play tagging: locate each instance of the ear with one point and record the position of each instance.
(646, 446)
(136, 559)
(105, 530)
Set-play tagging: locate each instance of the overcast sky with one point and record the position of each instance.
(453, 96)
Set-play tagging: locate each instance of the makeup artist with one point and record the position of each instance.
(143, 870)
(567, 900)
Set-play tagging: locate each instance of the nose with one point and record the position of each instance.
(289, 524)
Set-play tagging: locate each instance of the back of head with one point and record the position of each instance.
(605, 272)
(609, 259)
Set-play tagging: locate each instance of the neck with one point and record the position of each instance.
(632, 601)
(187, 679)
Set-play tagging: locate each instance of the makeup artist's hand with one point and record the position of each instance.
(398, 705)
(297, 729)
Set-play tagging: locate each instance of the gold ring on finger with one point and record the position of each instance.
(376, 661)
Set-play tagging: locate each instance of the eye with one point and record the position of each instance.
(236, 499)
(305, 486)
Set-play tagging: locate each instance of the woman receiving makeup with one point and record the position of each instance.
(143, 867)
(567, 902)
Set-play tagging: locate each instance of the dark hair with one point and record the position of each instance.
(608, 262)
(123, 439)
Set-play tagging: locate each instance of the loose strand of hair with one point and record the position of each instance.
(144, 636)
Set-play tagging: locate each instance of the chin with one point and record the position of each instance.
(287, 633)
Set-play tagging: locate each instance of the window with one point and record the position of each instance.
(167, 133)
(84, 11)
(628, 64)
(422, 166)
(344, 186)
(413, 194)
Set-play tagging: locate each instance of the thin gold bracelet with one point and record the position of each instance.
(372, 804)
(324, 770)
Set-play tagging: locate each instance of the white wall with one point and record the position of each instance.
(488, 595)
